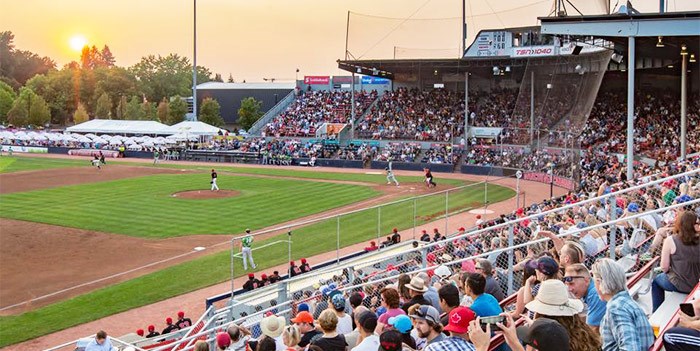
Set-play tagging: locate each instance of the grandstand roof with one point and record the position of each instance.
(245, 86)
(109, 126)
(194, 128)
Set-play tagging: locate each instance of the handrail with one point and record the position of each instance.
(271, 113)
(642, 272)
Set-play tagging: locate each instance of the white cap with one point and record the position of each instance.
(443, 272)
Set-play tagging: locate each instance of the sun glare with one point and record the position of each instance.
(77, 42)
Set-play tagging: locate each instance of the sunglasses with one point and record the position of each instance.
(571, 278)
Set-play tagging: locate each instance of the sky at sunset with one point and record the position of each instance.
(257, 39)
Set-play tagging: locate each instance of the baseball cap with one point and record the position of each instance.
(443, 271)
(368, 320)
(303, 307)
(168, 320)
(223, 340)
(545, 264)
(338, 301)
(545, 335)
(303, 317)
(402, 323)
(390, 340)
(633, 207)
(459, 319)
(428, 313)
(180, 314)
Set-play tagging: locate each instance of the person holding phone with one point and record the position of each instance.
(685, 336)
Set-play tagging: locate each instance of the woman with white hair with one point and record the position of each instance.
(624, 326)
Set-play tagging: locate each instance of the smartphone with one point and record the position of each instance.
(688, 309)
(491, 320)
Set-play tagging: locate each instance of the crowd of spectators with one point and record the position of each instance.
(399, 152)
(442, 153)
(562, 161)
(312, 108)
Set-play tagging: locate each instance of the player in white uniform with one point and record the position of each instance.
(390, 175)
(96, 162)
(246, 250)
(214, 176)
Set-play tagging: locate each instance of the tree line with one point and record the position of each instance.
(34, 92)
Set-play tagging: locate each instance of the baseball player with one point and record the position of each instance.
(390, 176)
(96, 162)
(156, 156)
(429, 178)
(213, 181)
(246, 250)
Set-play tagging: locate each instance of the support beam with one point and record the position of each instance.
(684, 104)
(532, 108)
(466, 109)
(352, 108)
(631, 65)
(194, 64)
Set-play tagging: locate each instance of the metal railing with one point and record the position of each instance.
(272, 113)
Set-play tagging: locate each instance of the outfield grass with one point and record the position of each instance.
(144, 207)
(208, 270)
(17, 164)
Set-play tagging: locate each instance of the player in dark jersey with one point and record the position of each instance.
(429, 178)
(183, 322)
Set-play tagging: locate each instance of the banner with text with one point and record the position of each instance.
(375, 80)
(533, 51)
(317, 80)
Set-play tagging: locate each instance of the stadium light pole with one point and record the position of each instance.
(684, 99)
(194, 64)
(466, 109)
(631, 63)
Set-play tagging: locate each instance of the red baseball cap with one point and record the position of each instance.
(264, 276)
(303, 317)
(395, 230)
(180, 314)
(303, 260)
(168, 320)
(139, 332)
(291, 263)
(251, 275)
(151, 328)
(461, 229)
(478, 216)
(459, 320)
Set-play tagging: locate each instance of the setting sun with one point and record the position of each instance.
(77, 42)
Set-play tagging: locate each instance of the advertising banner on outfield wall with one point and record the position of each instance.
(374, 80)
(317, 80)
(565, 183)
(28, 149)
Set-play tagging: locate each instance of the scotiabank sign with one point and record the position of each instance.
(533, 51)
(565, 183)
(317, 80)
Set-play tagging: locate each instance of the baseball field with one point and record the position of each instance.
(78, 243)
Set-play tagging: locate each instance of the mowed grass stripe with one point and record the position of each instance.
(136, 206)
(182, 278)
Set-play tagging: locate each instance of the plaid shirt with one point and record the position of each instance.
(451, 344)
(625, 327)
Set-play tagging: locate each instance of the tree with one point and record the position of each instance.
(165, 76)
(249, 113)
(209, 112)
(117, 82)
(103, 107)
(107, 57)
(217, 78)
(29, 109)
(7, 97)
(148, 111)
(230, 78)
(178, 109)
(133, 109)
(80, 115)
(121, 108)
(163, 111)
(18, 66)
(57, 88)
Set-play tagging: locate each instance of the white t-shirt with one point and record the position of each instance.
(344, 324)
(370, 343)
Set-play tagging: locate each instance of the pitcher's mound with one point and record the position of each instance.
(205, 194)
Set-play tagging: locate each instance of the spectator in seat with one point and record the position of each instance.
(402, 324)
(458, 326)
(263, 280)
(274, 277)
(272, 327)
(291, 337)
(170, 327)
(685, 336)
(352, 338)
(436, 235)
(390, 302)
(201, 345)
(416, 288)
(484, 305)
(578, 280)
(387, 242)
(680, 260)
(553, 302)
(367, 340)
(240, 336)
(344, 325)
(293, 269)
(449, 300)
(152, 331)
(100, 343)
(484, 267)
(331, 340)
(624, 326)
(545, 268)
(425, 236)
(395, 236)
(432, 294)
(426, 320)
(183, 322)
(372, 246)
(251, 284)
(304, 267)
(305, 322)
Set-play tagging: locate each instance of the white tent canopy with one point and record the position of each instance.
(108, 126)
(194, 128)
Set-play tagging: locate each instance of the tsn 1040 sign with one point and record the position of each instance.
(533, 51)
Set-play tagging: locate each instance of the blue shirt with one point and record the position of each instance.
(486, 305)
(625, 327)
(596, 306)
(452, 343)
(94, 346)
